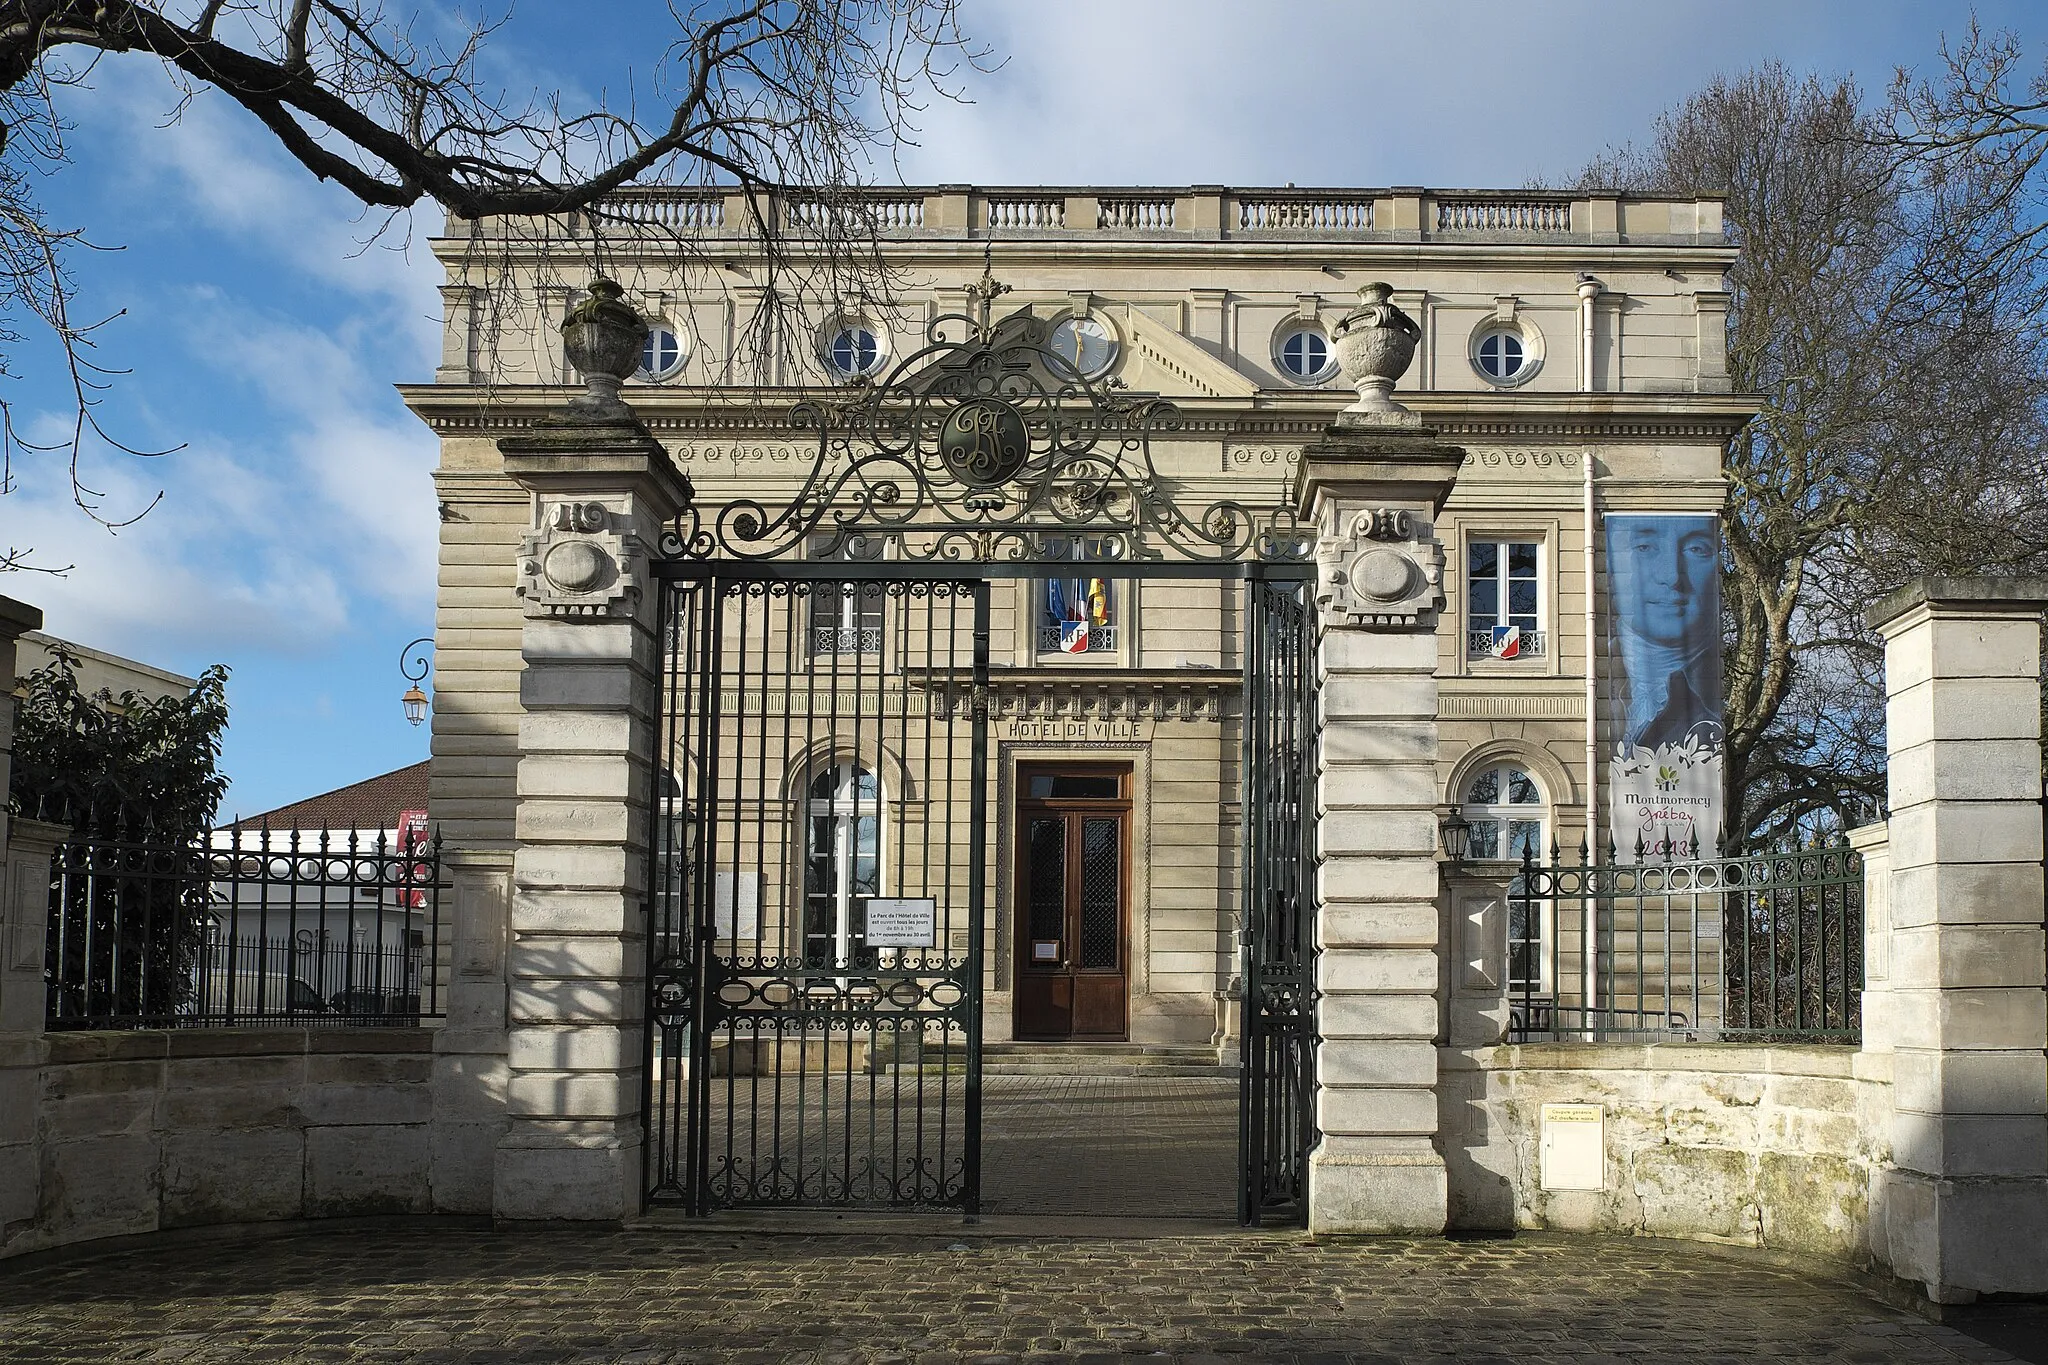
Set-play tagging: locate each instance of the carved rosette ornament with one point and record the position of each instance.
(1375, 343)
(1386, 569)
(576, 565)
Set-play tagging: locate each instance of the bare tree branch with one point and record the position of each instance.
(769, 96)
(1892, 316)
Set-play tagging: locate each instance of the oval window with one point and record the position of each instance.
(854, 351)
(1502, 356)
(1305, 355)
(662, 355)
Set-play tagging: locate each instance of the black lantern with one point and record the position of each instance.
(415, 671)
(1455, 831)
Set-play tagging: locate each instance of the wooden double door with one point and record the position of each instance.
(1073, 901)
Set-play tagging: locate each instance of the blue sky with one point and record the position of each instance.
(295, 536)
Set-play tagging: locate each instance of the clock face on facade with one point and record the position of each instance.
(984, 442)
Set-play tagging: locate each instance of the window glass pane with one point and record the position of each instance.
(1048, 879)
(661, 353)
(1484, 839)
(1521, 789)
(1521, 598)
(1485, 788)
(1485, 559)
(1511, 354)
(1525, 839)
(1101, 883)
(1522, 560)
(1082, 786)
(855, 350)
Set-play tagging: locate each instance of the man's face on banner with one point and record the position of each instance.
(1665, 573)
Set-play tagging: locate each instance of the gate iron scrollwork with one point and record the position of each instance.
(997, 447)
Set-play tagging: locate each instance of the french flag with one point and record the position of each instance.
(1507, 642)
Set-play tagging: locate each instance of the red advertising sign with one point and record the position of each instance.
(412, 834)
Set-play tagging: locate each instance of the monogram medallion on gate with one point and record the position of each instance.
(984, 442)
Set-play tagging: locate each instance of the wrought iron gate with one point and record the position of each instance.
(1276, 1113)
(820, 880)
(817, 935)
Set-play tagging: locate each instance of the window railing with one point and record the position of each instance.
(1762, 948)
(1052, 639)
(1532, 644)
(251, 927)
(827, 640)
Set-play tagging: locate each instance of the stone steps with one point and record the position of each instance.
(1100, 1059)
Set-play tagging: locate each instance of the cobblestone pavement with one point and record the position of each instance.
(444, 1294)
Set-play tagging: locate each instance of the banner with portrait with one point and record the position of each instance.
(1664, 771)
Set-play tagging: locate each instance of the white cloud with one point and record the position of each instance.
(1367, 92)
(301, 504)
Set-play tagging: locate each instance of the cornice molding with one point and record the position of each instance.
(1287, 418)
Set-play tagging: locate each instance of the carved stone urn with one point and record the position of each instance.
(604, 338)
(1375, 343)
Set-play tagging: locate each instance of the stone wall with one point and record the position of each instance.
(1750, 1145)
(140, 1131)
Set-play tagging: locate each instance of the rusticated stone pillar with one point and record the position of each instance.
(25, 849)
(575, 949)
(1964, 1000)
(1374, 488)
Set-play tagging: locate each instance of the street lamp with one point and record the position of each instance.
(1455, 831)
(415, 671)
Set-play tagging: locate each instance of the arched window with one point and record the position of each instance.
(842, 863)
(1506, 810)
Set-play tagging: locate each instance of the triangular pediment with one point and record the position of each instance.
(1165, 362)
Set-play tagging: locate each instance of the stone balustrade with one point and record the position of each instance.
(1200, 212)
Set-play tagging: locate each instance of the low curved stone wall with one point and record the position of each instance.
(1749, 1145)
(110, 1134)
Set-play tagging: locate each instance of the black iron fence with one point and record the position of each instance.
(1763, 947)
(246, 927)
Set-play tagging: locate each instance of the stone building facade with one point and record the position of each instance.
(1572, 345)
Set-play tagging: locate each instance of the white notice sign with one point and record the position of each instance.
(736, 906)
(1573, 1150)
(894, 922)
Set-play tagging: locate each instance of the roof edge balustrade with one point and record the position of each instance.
(1142, 213)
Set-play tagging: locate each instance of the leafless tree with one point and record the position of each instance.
(765, 96)
(1895, 340)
